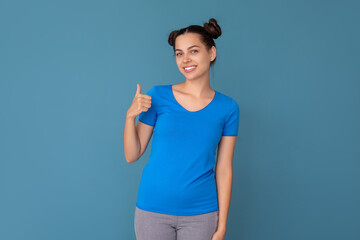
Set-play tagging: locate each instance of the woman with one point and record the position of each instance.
(180, 195)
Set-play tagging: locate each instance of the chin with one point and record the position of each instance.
(192, 78)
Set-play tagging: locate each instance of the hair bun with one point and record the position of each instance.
(213, 28)
(171, 39)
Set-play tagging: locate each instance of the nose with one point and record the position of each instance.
(186, 58)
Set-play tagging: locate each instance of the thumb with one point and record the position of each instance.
(138, 89)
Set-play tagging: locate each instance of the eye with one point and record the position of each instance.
(178, 54)
(195, 50)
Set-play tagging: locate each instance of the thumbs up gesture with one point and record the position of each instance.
(140, 103)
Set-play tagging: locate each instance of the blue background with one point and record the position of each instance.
(68, 73)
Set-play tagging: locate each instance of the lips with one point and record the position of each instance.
(189, 68)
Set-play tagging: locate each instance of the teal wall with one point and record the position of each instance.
(68, 73)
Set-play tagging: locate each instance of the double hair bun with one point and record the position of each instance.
(211, 27)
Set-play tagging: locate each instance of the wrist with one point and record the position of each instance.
(130, 118)
(129, 115)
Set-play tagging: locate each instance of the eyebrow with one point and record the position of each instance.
(188, 47)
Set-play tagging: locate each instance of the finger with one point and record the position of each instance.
(146, 104)
(138, 89)
(144, 96)
(142, 100)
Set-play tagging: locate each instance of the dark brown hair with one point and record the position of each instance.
(211, 30)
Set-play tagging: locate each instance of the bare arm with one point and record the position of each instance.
(224, 176)
(131, 141)
(136, 138)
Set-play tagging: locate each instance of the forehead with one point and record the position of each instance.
(188, 39)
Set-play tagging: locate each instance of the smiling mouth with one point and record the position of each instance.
(189, 69)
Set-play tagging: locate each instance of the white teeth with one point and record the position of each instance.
(190, 68)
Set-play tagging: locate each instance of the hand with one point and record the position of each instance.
(218, 235)
(140, 103)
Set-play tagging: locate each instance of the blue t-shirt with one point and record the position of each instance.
(179, 178)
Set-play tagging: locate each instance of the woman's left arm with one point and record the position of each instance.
(224, 176)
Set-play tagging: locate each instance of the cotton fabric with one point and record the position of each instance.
(179, 178)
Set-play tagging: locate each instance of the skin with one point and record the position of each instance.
(193, 94)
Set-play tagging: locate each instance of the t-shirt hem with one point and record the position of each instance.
(146, 122)
(178, 213)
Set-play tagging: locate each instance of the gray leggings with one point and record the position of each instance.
(158, 226)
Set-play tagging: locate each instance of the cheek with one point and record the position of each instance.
(204, 58)
(180, 68)
(203, 61)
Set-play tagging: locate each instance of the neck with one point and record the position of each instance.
(199, 87)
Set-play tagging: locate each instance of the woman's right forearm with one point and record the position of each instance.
(131, 141)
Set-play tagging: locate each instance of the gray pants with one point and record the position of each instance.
(158, 226)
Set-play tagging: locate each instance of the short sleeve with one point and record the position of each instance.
(149, 117)
(231, 125)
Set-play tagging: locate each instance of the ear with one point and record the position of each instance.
(212, 53)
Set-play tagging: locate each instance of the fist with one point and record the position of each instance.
(140, 103)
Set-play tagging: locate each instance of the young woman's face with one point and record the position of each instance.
(190, 51)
